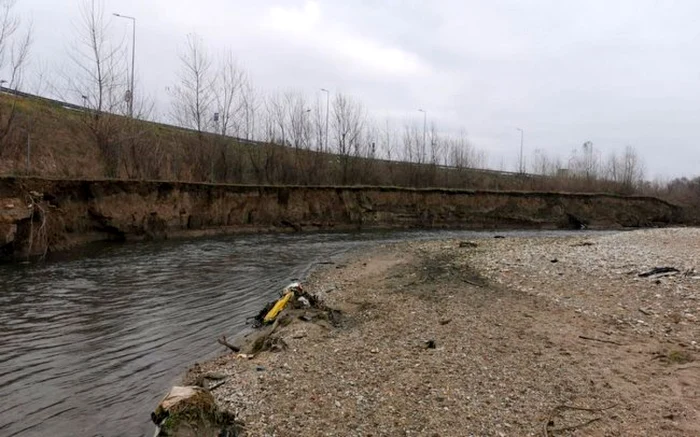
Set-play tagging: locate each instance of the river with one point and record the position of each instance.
(90, 342)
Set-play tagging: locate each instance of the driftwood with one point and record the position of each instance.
(560, 408)
(659, 271)
(222, 341)
(583, 337)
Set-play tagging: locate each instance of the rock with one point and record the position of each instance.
(299, 334)
(469, 244)
(215, 376)
(11, 213)
(191, 410)
(7, 233)
(260, 368)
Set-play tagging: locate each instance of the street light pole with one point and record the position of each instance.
(522, 135)
(133, 60)
(425, 125)
(328, 106)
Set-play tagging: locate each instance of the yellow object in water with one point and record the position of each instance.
(279, 306)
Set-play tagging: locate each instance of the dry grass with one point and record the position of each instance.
(63, 146)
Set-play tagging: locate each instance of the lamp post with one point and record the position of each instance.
(328, 106)
(130, 94)
(522, 136)
(425, 125)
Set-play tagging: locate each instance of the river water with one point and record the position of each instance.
(90, 343)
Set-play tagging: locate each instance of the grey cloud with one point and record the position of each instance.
(615, 73)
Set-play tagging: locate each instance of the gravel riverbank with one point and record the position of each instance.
(502, 337)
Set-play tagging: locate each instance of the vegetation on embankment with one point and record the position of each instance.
(39, 215)
(42, 138)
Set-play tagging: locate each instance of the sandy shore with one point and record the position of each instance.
(504, 337)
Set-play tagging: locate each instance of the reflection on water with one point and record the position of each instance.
(89, 344)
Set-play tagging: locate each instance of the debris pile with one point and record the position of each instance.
(190, 409)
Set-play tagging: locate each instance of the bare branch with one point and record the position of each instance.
(193, 96)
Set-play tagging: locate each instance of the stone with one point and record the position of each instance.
(11, 213)
(191, 410)
(469, 244)
(7, 233)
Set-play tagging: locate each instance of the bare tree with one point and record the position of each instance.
(297, 119)
(251, 104)
(435, 144)
(14, 47)
(228, 95)
(39, 82)
(542, 164)
(413, 143)
(193, 95)
(348, 122)
(14, 55)
(632, 168)
(388, 139)
(98, 79)
(275, 119)
(318, 120)
(627, 170)
(193, 100)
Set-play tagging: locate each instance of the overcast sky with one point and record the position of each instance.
(617, 73)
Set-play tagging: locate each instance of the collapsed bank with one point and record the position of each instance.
(40, 215)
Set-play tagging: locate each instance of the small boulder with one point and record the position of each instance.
(191, 411)
(468, 244)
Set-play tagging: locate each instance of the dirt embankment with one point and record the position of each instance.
(487, 338)
(37, 215)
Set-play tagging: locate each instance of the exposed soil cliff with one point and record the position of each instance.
(39, 215)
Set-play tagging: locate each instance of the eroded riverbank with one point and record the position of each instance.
(39, 216)
(531, 337)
